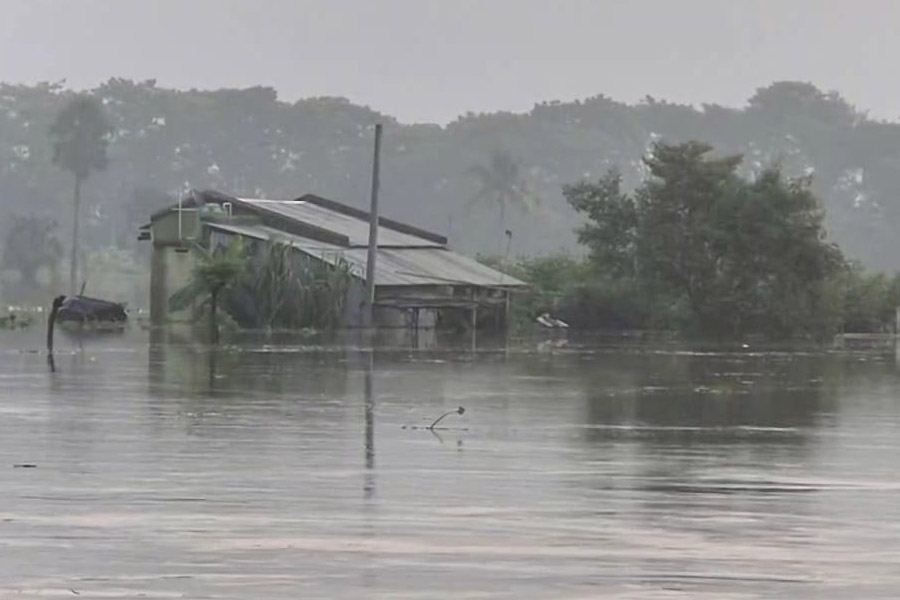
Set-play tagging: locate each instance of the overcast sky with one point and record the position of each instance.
(432, 60)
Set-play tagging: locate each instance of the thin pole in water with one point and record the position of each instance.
(373, 233)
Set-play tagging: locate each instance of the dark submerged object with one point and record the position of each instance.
(84, 310)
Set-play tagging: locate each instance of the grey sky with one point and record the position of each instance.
(432, 60)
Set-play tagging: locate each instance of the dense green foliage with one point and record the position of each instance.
(698, 248)
(282, 288)
(216, 270)
(249, 143)
(553, 280)
(265, 286)
(859, 302)
(869, 300)
(720, 254)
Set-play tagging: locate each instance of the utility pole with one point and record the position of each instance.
(373, 234)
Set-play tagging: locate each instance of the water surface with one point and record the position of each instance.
(140, 470)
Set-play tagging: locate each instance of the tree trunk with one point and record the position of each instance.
(73, 266)
(213, 320)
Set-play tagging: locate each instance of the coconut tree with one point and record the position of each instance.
(80, 137)
(501, 182)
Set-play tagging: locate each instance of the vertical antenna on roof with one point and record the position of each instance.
(373, 234)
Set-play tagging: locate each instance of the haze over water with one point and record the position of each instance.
(596, 470)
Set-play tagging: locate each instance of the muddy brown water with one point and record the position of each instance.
(140, 470)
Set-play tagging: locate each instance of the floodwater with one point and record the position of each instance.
(139, 470)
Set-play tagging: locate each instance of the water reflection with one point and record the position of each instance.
(724, 399)
(369, 442)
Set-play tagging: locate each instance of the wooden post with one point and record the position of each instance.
(180, 215)
(506, 314)
(506, 323)
(373, 234)
(474, 317)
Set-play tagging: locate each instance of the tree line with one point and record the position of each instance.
(796, 143)
(250, 143)
(698, 248)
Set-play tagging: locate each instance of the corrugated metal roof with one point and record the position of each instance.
(394, 266)
(355, 229)
(429, 266)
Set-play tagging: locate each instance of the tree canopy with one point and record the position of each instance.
(728, 255)
(80, 137)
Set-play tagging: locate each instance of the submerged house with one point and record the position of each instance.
(416, 274)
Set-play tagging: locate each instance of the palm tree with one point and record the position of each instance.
(501, 181)
(216, 270)
(80, 137)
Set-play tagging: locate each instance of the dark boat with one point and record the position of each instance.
(83, 312)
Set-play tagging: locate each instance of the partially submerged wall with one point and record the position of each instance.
(171, 269)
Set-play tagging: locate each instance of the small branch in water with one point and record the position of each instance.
(458, 411)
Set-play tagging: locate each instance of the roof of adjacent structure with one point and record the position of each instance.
(409, 265)
(332, 221)
(348, 223)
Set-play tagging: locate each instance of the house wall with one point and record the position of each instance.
(353, 305)
(165, 229)
(386, 317)
(393, 318)
(170, 271)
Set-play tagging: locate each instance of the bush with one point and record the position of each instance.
(869, 300)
